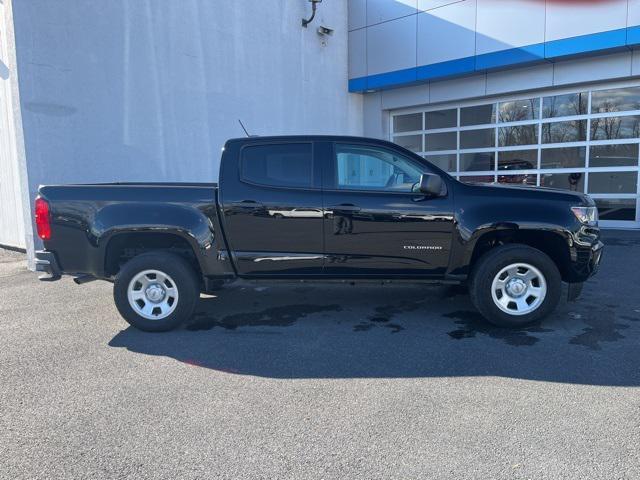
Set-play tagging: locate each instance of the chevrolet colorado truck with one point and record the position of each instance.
(319, 208)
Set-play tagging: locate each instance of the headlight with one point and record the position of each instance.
(586, 215)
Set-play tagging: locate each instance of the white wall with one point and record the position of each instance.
(149, 90)
(14, 210)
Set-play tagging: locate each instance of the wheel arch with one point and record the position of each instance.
(123, 245)
(552, 243)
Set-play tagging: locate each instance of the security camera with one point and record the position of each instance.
(322, 30)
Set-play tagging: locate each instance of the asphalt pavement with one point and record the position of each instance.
(294, 381)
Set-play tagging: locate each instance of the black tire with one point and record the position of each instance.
(182, 274)
(491, 263)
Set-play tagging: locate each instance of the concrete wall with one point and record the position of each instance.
(397, 42)
(149, 90)
(14, 201)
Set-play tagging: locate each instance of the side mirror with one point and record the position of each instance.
(431, 185)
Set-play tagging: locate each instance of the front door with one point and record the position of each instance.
(375, 224)
(272, 210)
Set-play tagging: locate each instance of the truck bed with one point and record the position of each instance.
(88, 219)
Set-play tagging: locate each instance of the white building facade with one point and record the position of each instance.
(541, 92)
(518, 91)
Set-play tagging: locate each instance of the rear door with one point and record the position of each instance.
(375, 225)
(272, 208)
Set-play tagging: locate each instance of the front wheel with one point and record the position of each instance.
(156, 291)
(515, 285)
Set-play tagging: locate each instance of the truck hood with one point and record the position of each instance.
(527, 191)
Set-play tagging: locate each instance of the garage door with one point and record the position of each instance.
(584, 140)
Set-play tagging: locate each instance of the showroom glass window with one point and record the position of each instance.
(583, 139)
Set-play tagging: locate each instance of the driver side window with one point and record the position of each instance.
(372, 168)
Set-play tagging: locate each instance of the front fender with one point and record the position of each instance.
(518, 217)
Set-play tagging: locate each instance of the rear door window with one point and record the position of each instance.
(278, 165)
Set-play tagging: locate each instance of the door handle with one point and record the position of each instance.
(345, 207)
(247, 204)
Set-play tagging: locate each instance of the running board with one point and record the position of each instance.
(82, 279)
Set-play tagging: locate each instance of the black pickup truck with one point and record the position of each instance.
(319, 208)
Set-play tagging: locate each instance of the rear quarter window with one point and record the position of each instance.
(278, 165)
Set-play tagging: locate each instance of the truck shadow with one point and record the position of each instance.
(294, 331)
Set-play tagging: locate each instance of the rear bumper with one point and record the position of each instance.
(47, 263)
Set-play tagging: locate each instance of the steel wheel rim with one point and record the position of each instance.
(153, 294)
(519, 289)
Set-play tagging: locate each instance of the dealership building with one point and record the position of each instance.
(538, 92)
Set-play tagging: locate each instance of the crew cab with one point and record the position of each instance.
(319, 208)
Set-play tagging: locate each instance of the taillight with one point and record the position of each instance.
(43, 219)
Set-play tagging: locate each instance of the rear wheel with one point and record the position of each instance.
(156, 291)
(515, 285)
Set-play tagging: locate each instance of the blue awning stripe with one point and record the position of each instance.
(600, 42)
